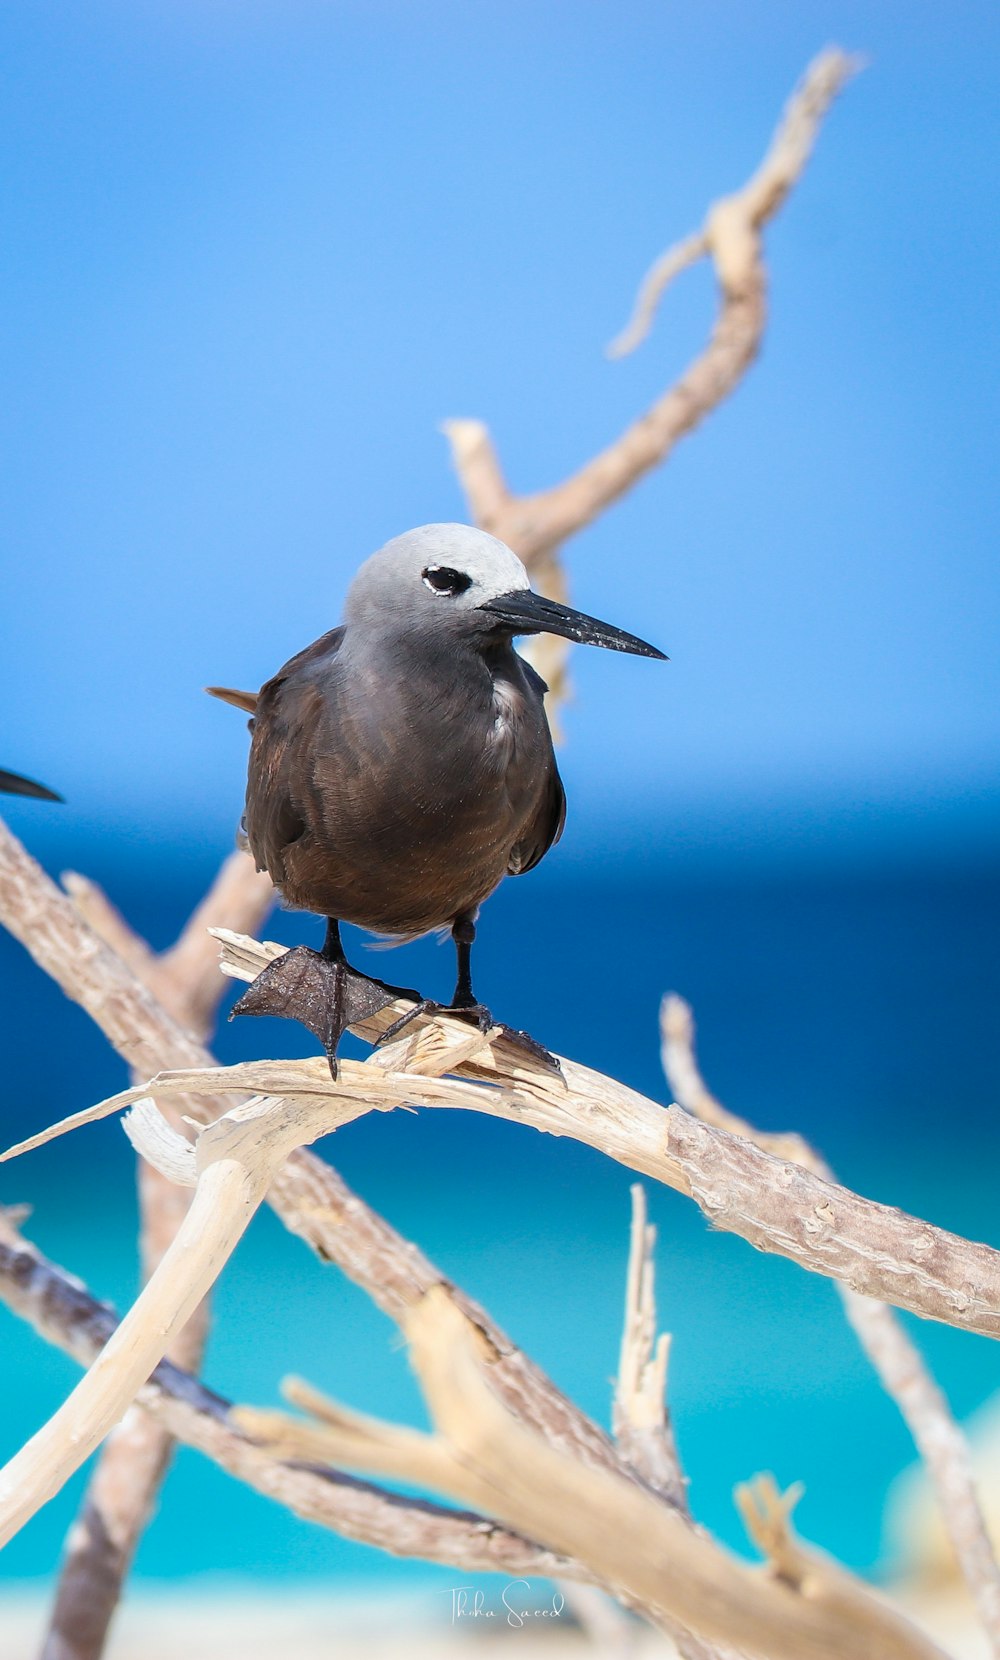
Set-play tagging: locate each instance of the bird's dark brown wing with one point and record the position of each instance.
(286, 713)
(11, 783)
(543, 830)
(326, 646)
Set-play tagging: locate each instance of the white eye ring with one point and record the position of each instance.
(445, 582)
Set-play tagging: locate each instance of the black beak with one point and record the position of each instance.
(526, 612)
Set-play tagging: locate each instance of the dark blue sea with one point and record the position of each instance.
(852, 999)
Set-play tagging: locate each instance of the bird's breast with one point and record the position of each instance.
(413, 788)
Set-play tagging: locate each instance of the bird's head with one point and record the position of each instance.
(454, 579)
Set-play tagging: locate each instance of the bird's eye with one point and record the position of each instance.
(441, 579)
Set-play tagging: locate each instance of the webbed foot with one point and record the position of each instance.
(324, 996)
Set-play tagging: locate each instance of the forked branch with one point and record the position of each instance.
(536, 525)
(63, 1312)
(646, 1549)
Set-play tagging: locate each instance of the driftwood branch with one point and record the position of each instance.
(643, 1545)
(317, 1204)
(536, 525)
(901, 1368)
(232, 1165)
(254, 1447)
(731, 234)
(484, 1455)
(122, 1492)
(63, 1312)
(295, 1102)
(185, 978)
(343, 1436)
(327, 1216)
(232, 1181)
(774, 1204)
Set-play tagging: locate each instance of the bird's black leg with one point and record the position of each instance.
(320, 989)
(333, 951)
(464, 1002)
(463, 932)
(333, 945)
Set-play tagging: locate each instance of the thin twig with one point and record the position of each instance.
(901, 1368)
(664, 270)
(639, 1417)
(730, 222)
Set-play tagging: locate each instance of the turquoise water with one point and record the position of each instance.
(858, 1006)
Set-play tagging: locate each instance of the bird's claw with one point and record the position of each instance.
(422, 1006)
(326, 997)
(523, 1040)
(478, 1015)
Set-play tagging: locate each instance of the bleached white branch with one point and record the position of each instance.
(63, 1312)
(644, 1547)
(775, 1204)
(533, 1097)
(901, 1368)
(234, 1171)
(731, 233)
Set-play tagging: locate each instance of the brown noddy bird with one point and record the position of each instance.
(12, 783)
(402, 766)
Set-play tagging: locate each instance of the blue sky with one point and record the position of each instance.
(254, 254)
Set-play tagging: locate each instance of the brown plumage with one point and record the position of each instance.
(395, 794)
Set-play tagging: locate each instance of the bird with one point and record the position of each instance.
(12, 783)
(402, 765)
